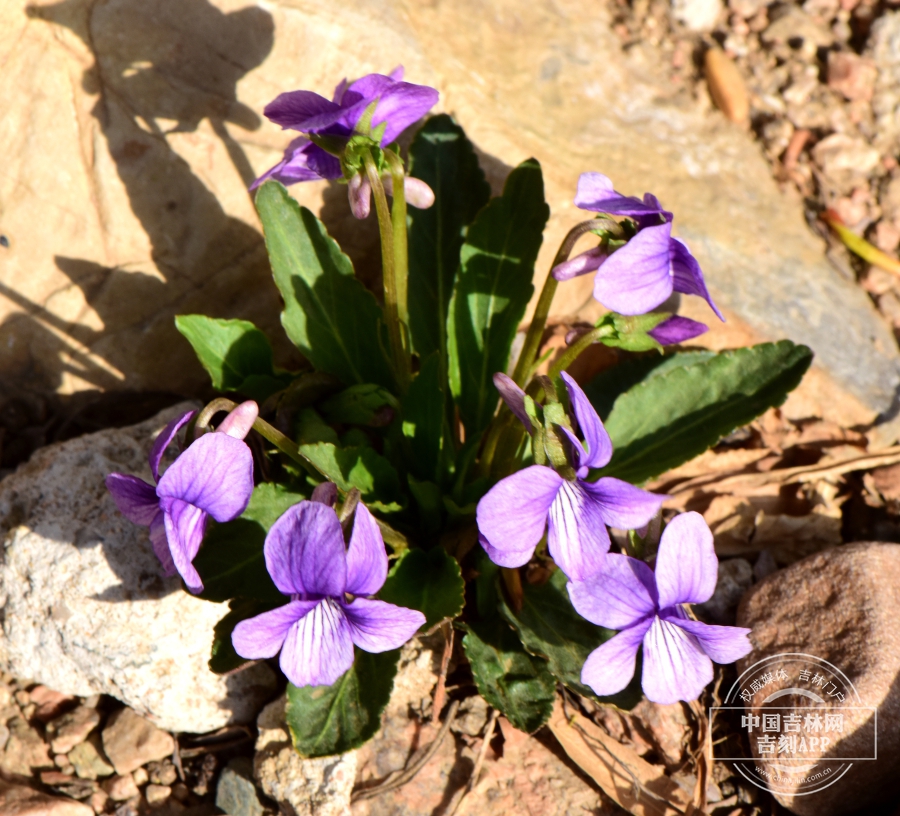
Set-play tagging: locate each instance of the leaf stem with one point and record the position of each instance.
(574, 351)
(400, 360)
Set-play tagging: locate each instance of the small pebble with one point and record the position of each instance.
(180, 791)
(157, 795)
(141, 776)
(23, 698)
(162, 773)
(50, 704)
(98, 801)
(70, 729)
(121, 788)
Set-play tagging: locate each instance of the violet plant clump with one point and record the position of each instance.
(416, 474)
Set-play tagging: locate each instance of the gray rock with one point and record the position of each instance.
(236, 793)
(735, 577)
(84, 608)
(840, 606)
(89, 760)
(302, 787)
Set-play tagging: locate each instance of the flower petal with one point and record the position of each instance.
(675, 667)
(687, 276)
(400, 104)
(686, 565)
(623, 505)
(610, 667)
(377, 626)
(262, 636)
(596, 193)
(164, 440)
(637, 278)
(367, 561)
(677, 329)
(239, 422)
(599, 445)
(325, 493)
(359, 194)
(581, 264)
(160, 542)
(512, 515)
(185, 526)
(318, 648)
(619, 595)
(578, 539)
(513, 396)
(418, 194)
(215, 474)
(136, 499)
(294, 166)
(303, 110)
(724, 644)
(304, 551)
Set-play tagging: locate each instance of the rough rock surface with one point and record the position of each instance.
(157, 133)
(302, 787)
(83, 607)
(130, 741)
(236, 794)
(840, 605)
(72, 729)
(21, 800)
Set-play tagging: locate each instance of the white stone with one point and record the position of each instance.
(84, 609)
(303, 787)
(697, 15)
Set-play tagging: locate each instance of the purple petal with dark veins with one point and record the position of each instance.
(687, 276)
(367, 561)
(160, 543)
(577, 537)
(215, 474)
(513, 396)
(610, 667)
(723, 644)
(303, 110)
(676, 330)
(185, 526)
(599, 445)
(623, 505)
(507, 556)
(596, 193)
(675, 666)
(621, 593)
(636, 278)
(686, 565)
(263, 636)
(136, 499)
(294, 167)
(513, 514)
(318, 649)
(164, 440)
(305, 553)
(377, 626)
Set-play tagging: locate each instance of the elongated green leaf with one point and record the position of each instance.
(427, 580)
(516, 683)
(443, 157)
(425, 424)
(224, 658)
(326, 720)
(492, 289)
(231, 562)
(236, 355)
(678, 411)
(550, 627)
(364, 404)
(328, 314)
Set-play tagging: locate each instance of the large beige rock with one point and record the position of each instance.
(83, 606)
(132, 129)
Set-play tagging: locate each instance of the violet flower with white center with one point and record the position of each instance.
(648, 608)
(399, 104)
(513, 514)
(326, 582)
(643, 273)
(213, 477)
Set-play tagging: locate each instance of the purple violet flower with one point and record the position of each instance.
(317, 629)
(213, 477)
(513, 514)
(677, 329)
(399, 104)
(648, 608)
(637, 277)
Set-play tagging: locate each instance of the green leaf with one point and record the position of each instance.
(425, 424)
(492, 289)
(550, 627)
(427, 580)
(328, 314)
(679, 411)
(516, 683)
(236, 355)
(327, 720)
(443, 158)
(224, 658)
(359, 405)
(230, 561)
